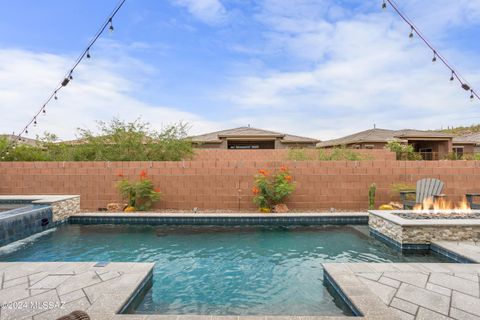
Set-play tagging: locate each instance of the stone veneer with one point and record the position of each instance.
(405, 231)
(63, 209)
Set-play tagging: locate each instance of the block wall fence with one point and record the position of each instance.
(223, 179)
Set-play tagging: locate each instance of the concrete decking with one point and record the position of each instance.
(48, 290)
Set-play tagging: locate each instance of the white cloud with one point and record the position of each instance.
(353, 72)
(208, 11)
(100, 90)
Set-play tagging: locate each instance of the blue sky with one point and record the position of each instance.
(322, 68)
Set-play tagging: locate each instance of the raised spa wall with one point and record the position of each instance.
(33, 214)
(387, 226)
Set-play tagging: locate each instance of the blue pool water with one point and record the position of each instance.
(220, 270)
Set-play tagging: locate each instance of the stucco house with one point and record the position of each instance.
(251, 138)
(431, 144)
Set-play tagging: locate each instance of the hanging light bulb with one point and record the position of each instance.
(26, 131)
(384, 5)
(434, 59)
(452, 77)
(411, 32)
(111, 25)
(44, 111)
(35, 121)
(70, 76)
(55, 96)
(471, 95)
(88, 53)
(7, 153)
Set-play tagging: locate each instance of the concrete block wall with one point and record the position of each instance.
(221, 183)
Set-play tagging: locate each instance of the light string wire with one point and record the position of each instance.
(66, 79)
(436, 54)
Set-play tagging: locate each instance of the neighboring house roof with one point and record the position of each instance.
(248, 132)
(410, 133)
(28, 141)
(377, 135)
(472, 138)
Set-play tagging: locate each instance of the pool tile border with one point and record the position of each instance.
(453, 256)
(403, 247)
(224, 220)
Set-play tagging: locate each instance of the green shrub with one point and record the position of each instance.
(139, 194)
(296, 154)
(115, 141)
(271, 190)
(403, 151)
(341, 153)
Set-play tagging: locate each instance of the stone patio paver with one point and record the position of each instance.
(466, 303)
(455, 283)
(50, 290)
(429, 291)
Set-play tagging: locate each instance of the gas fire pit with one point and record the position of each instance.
(416, 229)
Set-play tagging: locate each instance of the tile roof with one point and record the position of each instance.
(472, 138)
(248, 132)
(382, 135)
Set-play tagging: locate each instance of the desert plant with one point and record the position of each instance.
(341, 153)
(371, 196)
(296, 154)
(270, 190)
(140, 194)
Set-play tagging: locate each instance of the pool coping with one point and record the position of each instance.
(36, 199)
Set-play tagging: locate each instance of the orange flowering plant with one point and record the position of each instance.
(270, 190)
(140, 194)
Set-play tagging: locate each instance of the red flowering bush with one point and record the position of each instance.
(270, 190)
(140, 194)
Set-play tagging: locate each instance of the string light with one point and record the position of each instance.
(111, 25)
(67, 78)
(436, 56)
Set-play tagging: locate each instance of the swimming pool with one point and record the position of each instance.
(220, 270)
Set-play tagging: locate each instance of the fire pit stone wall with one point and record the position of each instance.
(386, 225)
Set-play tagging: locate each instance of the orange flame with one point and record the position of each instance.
(441, 204)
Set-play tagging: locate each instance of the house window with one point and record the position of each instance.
(458, 151)
(233, 144)
(369, 146)
(356, 146)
